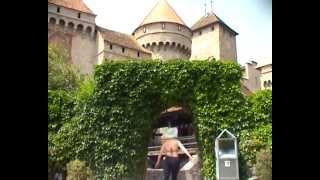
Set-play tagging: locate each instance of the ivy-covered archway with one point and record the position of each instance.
(116, 122)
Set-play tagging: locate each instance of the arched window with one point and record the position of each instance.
(89, 30)
(62, 22)
(80, 27)
(138, 54)
(212, 28)
(110, 47)
(144, 29)
(200, 32)
(123, 50)
(70, 25)
(52, 20)
(179, 27)
(58, 9)
(269, 83)
(163, 25)
(79, 15)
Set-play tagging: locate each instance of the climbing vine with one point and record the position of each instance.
(112, 130)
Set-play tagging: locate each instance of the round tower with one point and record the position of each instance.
(164, 33)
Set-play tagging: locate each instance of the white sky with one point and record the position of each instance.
(252, 19)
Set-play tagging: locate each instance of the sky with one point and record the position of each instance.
(252, 19)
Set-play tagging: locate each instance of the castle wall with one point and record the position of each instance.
(227, 45)
(79, 45)
(116, 53)
(72, 14)
(168, 42)
(76, 35)
(251, 77)
(84, 52)
(206, 44)
(266, 75)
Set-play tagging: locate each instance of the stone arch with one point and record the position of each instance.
(173, 44)
(183, 48)
(167, 43)
(161, 43)
(71, 25)
(181, 118)
(178, 45)
(52, 20)
(148, 45)
(79, 27)
(154, 44)
(89, 29)
(144, 46)
(62, 23)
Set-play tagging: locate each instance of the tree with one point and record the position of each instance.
(61, 74)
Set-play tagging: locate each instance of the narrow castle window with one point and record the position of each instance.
(58, 9)
(163, 26)
(265, 83)
(123, 50)
(212, 28)
(144, 29)
(138, 54)
(200, 32)
(79, 15)
(179, 28)
(110, 47)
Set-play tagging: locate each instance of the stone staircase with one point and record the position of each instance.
(188, 171)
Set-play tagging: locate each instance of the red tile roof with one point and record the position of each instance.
(121, 39)
(72, 4)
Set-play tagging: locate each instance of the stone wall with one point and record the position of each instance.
(227, 44)
(166, 40)
(205, 43)
(117, 54)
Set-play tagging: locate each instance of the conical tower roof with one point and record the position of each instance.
(162, 12)
(72, 4)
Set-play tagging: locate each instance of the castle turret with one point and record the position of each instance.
(71, 24)
(212, 38)
(164, 33)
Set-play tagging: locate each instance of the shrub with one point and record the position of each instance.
(77, 170)
(61, 74)
(264, 164)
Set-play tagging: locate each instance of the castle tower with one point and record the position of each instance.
(164, 33)
(71, 24)
(213, 38)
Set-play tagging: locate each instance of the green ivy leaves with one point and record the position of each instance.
(113, 121)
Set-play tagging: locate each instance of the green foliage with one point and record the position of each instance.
(67, 94)
(77, 170)
(61, 74)
(264, 164)
(253, 140)
(112, 131)
(114, 114)
(261, 106)
(258, 134)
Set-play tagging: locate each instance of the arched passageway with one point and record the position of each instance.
(177, 118)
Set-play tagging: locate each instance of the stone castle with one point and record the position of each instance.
(161, 35)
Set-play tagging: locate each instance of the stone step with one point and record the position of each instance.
(190, 150)
(186, 145)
